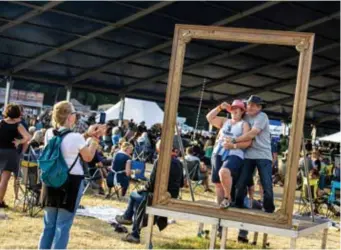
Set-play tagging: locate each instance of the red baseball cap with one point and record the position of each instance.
(238, 104)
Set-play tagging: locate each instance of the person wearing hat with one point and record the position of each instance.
(227, 159)
(258, 155)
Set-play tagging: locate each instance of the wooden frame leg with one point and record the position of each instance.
(293, 243)
(200, 229)
(255, 238)
(213, 236)
(149, 231)
(265, 240)
(324, 238)
(223, 238)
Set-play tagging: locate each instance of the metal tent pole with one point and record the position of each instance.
(308, 180)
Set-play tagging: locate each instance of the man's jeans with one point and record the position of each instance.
(57, 225)
(135, 200)
(264, 167)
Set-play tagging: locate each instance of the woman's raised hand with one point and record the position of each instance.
(224, 105)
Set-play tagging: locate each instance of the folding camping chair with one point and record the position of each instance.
(91, 175)
(334, 199)
(141, 152)
(194, 173)
(335, 192)
(138, 178)
(91, 178)
(30, 178)
(113, 183)
(304, 204)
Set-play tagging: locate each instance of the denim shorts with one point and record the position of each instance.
(233, 163)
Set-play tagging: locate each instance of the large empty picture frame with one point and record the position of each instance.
(183, 34)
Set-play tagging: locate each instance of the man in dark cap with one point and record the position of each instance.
(258, 155)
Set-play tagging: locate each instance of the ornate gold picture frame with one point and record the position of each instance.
(183, 34)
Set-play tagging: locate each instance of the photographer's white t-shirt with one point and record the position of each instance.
(71, 145)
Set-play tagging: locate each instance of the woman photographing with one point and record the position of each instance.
(61, 204)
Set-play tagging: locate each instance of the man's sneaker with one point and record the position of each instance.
(3, 205)
(131, 239)
(121, 220)
(225, 204)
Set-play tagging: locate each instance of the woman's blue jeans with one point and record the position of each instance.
(57, 225)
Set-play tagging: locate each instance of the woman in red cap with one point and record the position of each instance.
(227, 158)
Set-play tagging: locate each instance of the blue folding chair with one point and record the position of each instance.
(138, 178)
(142, 151)
(335, 189)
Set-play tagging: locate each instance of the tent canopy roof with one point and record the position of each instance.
(332, 138)
(106, 46)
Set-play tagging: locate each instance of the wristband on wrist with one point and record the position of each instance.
(233, 141)
(93, 142)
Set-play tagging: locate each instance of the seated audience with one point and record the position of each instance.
(121, 168)
(116, 136)
(203, 173)
(135, 211)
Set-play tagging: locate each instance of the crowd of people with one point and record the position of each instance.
(229, 160)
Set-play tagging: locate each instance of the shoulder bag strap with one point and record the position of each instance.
(73, 164)
(62, 134)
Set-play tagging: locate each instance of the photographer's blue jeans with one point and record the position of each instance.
(264, 167)
(57, 225)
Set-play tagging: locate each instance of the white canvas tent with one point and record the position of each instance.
(332, 138)
(80, 107)
(138, 110)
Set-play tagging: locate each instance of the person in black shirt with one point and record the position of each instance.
(176, 181)
(131, 124)
(10, 130)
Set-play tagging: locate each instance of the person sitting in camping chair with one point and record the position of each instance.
(98, 170)
(121, 169)
(136, 211)
(197, 169)
(316, 192)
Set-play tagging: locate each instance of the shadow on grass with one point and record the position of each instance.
(200, 243)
